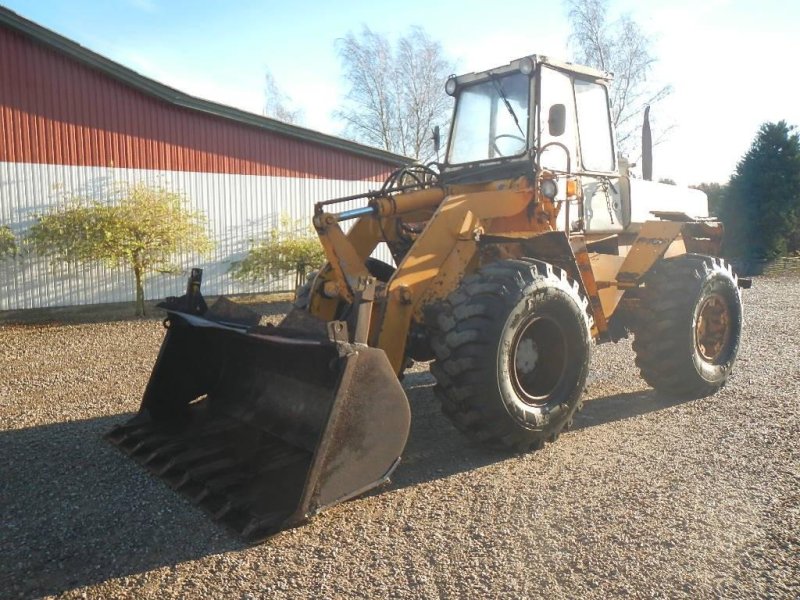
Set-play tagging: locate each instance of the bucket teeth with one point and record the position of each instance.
(189, 457)
(162, 452)
(232, 503)
(202, 464)
(122, 434)
(201, 472)
(223, 483)
(149, 443)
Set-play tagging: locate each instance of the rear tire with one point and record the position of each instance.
(512, 346)
(688, 326)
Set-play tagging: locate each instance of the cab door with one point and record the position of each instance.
(604, 207)
(558, 143)
(584, 147)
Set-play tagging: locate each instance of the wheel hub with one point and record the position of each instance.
(538, 360)
(712, 330)
(526, 357)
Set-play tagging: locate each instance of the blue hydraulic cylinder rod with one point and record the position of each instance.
(355, 213)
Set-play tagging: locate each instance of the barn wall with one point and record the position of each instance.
(69, 130)
(239, 208)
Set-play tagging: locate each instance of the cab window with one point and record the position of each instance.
(594, 126)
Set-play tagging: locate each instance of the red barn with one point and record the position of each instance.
(73, 123)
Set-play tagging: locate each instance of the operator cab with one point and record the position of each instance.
(538, 114)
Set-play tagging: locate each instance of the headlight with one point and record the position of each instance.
(450, 86)
(526, 66)
(548, 188)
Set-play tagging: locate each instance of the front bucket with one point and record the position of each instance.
(264, 430)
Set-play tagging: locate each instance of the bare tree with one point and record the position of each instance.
(396, 95)
(620, 47)
(276, 103)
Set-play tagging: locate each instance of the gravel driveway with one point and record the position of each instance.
(645, 497)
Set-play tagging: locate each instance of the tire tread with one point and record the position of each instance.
(463, 335)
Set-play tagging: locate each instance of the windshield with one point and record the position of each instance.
(491, 120)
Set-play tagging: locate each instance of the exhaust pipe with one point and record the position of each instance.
(647, 147)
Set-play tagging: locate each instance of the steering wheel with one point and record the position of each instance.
(519, 138)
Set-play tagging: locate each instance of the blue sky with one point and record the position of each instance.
(731, 63)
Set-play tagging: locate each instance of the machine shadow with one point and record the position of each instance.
(436, 449)
(65, 493)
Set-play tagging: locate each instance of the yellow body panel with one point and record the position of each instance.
(448, 248)
(653, 242)
(605, 268)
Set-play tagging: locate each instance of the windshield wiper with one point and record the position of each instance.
(499, 87)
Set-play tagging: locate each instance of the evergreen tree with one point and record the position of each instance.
(761, 209)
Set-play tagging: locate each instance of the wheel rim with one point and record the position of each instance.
(713, 329)
(538, 360)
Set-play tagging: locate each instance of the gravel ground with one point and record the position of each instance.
(647, 497)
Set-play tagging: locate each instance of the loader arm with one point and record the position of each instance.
(347, 253)
(438, 259)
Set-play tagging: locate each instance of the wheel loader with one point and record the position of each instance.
(529, 245)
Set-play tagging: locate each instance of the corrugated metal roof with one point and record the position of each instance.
(153, 88)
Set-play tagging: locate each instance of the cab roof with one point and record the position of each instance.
(535, 59)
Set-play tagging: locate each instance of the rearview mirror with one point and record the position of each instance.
(437, 140)
(556, 121)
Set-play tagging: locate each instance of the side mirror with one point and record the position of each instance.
(437, 139)
(557, 120)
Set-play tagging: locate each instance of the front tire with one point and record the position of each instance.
(688, 326)
(512, 346)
